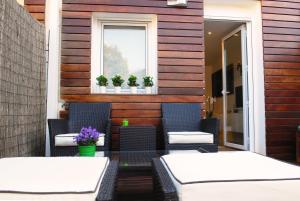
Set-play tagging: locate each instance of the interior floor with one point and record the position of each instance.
(225, 148)
(235, 137)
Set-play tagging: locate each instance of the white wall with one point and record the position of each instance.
(21, 2)
(52, 24)
(250, 12)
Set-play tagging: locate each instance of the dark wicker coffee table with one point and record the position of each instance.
(135, 160)
(135, 172)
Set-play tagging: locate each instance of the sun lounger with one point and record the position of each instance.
(225, 176)
(57, 179)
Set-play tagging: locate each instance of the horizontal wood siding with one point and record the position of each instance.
(281, 33)
(180, 58)
(36, 8)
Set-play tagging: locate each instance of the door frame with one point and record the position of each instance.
(252, 141)
(249, 12)
(245, 59)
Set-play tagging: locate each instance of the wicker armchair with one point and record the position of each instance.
(179, 117)
(96, 115)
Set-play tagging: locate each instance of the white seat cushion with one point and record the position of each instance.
(186, 137)
(63, 140)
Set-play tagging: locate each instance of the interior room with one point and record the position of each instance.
(223, 45)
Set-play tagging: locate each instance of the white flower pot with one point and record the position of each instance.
(148, 90)
(117, 90)
(102, 89)
(133, 90)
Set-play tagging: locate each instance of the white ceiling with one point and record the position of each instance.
(218, 29)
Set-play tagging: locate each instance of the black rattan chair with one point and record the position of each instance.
(179, 117)
(96, 115)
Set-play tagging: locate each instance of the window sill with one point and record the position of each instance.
(125, 93)
(110, 91)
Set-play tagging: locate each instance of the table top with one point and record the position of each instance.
(138, 159)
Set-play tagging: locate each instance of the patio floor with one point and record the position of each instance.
(135, 187)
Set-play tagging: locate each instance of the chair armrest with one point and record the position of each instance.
(56, 126)
(107, 142)
(163, 184)
(165, 131)
(210, 125)
(108, 184)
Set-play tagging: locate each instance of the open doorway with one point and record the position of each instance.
(226, 80)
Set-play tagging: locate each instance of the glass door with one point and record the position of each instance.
(235, 89)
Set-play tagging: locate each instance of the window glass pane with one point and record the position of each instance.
(124, 52)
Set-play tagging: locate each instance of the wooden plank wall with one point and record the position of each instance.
(36, 8)
(180, 58)
(281, 32)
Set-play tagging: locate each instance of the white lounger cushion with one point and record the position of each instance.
(51, 179)
(232, 176)
(68, 140)
(186, 137)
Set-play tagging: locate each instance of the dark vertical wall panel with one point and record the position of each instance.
(180, 57)
(281, 33)
(22, 82)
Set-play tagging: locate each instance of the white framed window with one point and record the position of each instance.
(123, 44)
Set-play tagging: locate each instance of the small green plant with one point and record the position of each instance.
(148, 81)
(102, 80)
(117, 80)
(132, 81)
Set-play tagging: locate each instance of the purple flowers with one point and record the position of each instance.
(87, 136)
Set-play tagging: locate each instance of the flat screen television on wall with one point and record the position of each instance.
(239, 97)
(217, 82)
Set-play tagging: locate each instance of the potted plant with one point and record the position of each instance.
(132, 83)
(117, 82)
(87, 140)
(102, 82)
(148, 83)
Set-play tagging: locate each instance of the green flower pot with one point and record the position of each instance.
(87, 150)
